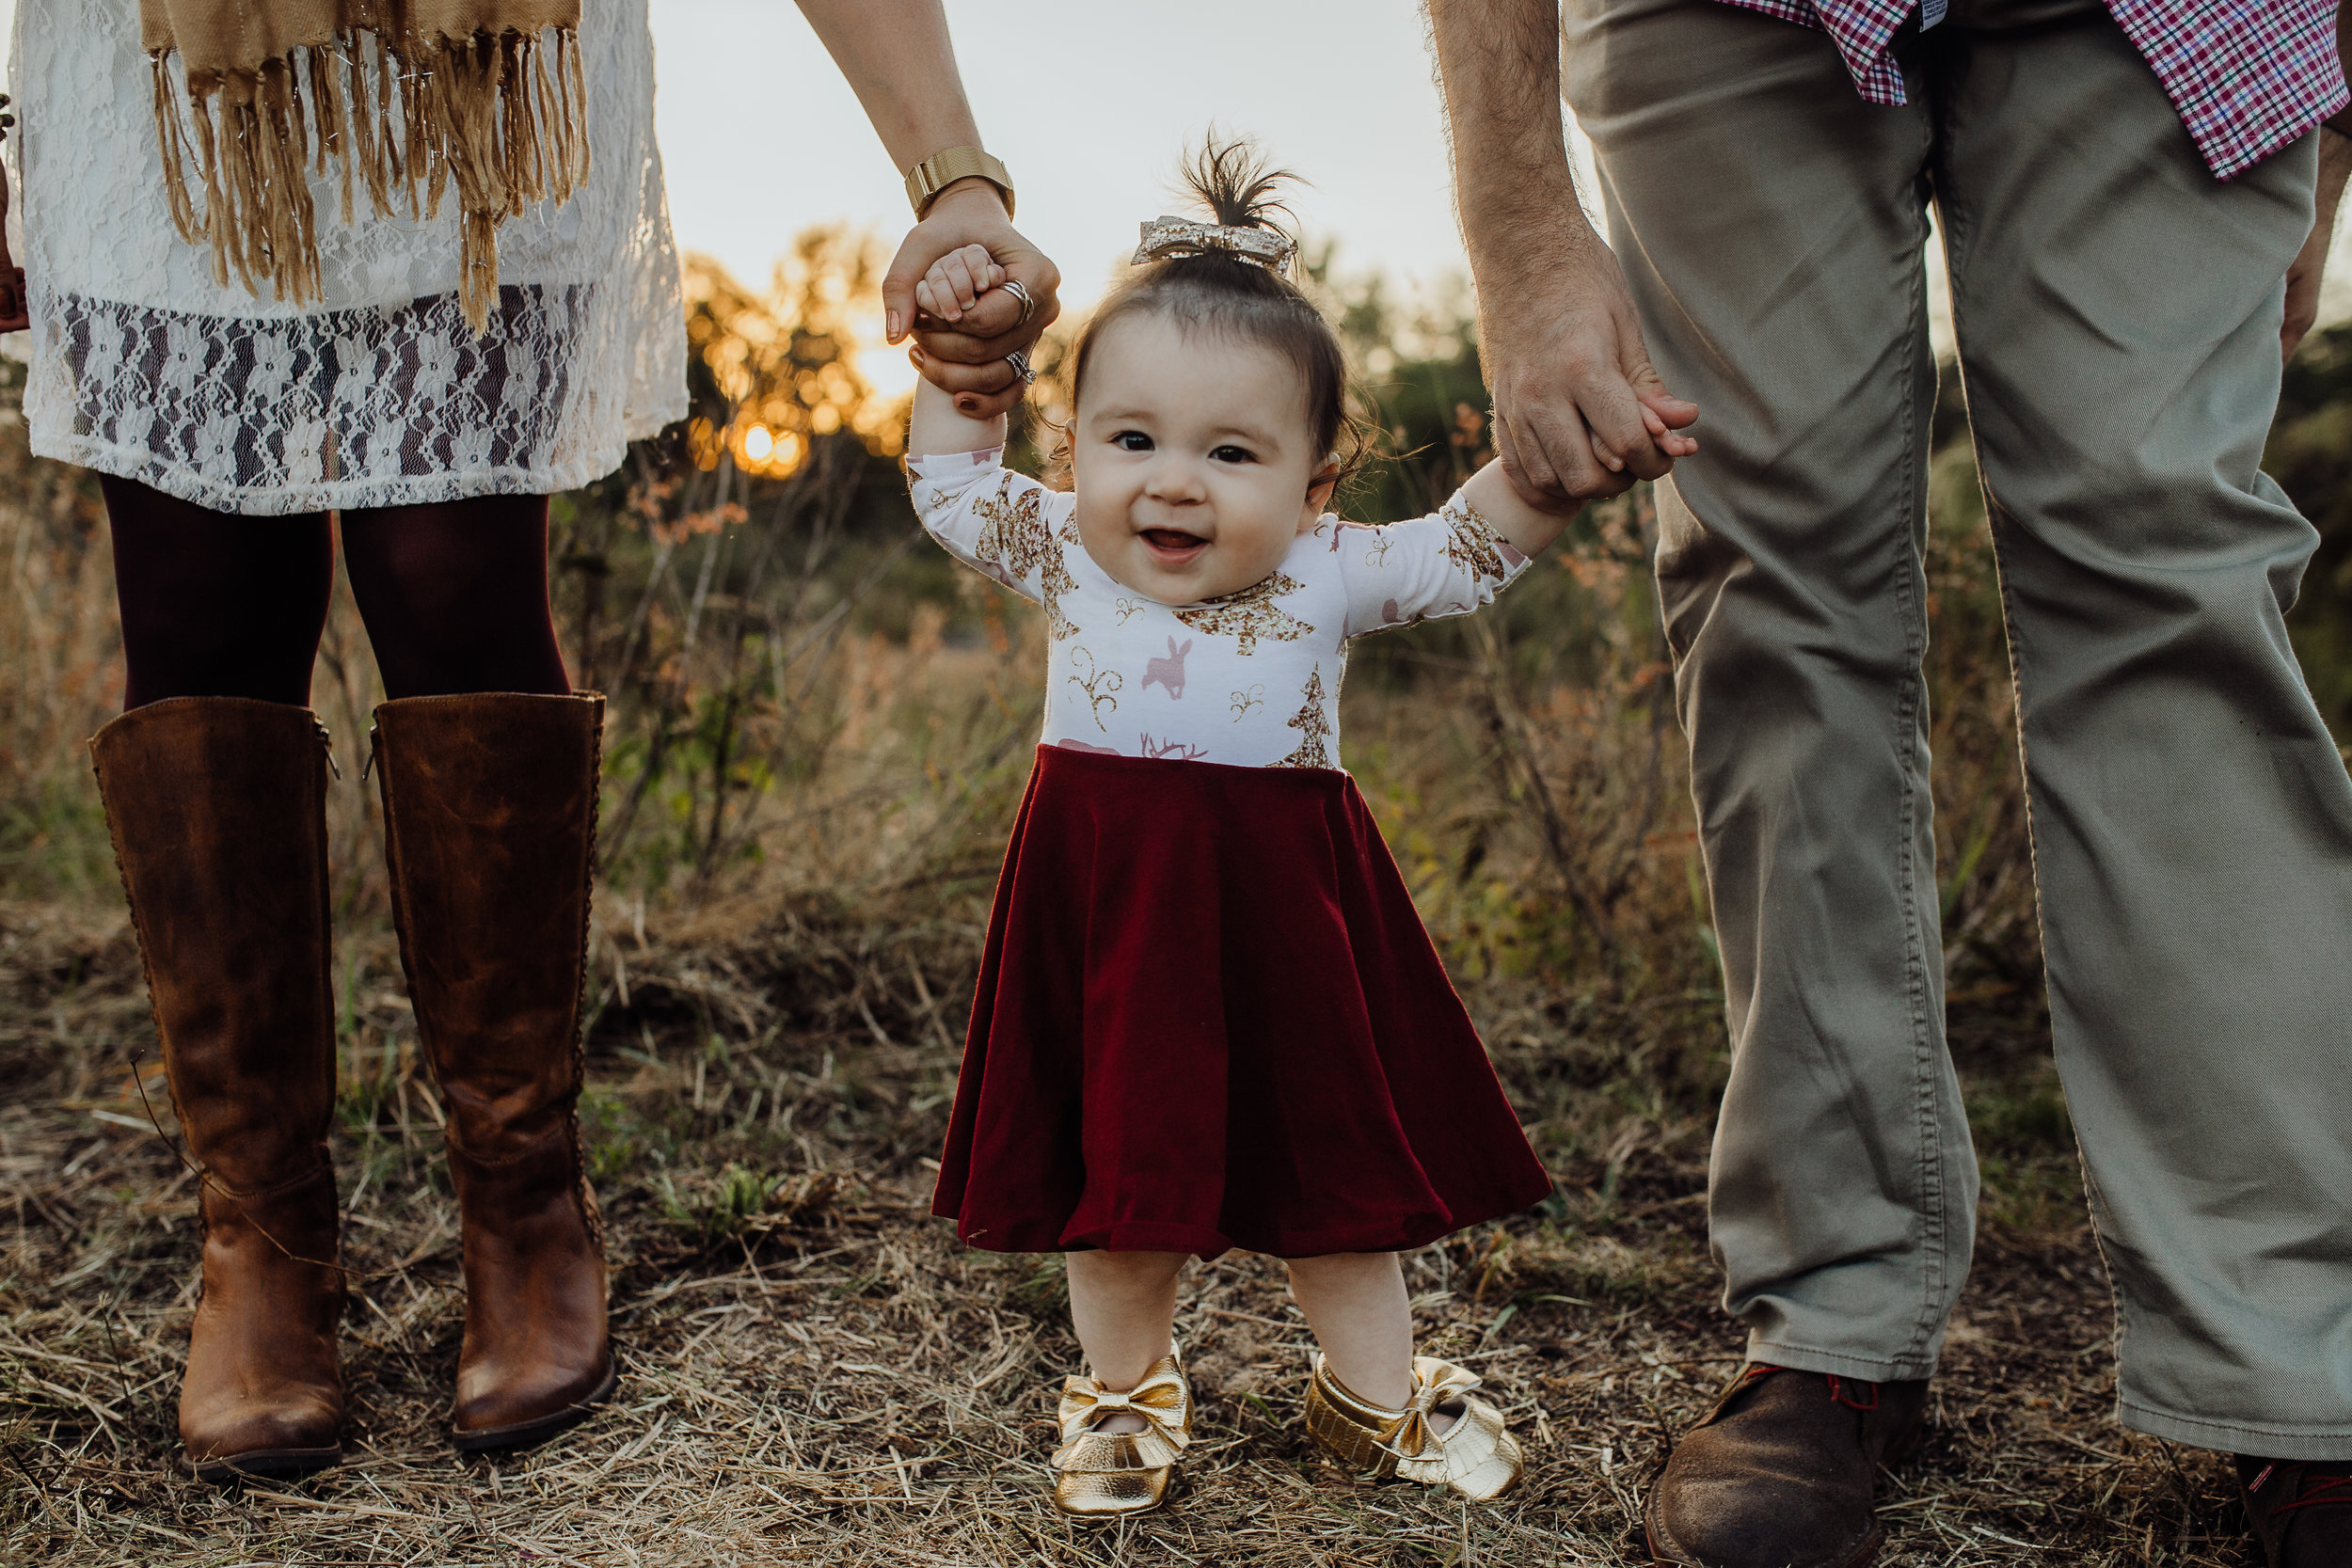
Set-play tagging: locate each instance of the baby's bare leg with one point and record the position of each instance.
(1124, 1306)
(1356, 1304)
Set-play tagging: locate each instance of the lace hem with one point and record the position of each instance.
(282, 500)
(335, 409)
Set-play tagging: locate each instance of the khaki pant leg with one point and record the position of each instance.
(1771, 225)
(2118, 314)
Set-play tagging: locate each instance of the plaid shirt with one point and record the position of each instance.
(2248, 76)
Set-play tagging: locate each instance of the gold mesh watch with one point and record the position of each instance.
(934, 174)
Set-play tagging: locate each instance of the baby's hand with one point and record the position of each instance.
(955, 281)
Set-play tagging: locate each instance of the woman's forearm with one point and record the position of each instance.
(897, 56)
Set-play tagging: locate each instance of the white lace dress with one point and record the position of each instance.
(379, 394)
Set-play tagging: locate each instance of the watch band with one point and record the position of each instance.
(934, 174)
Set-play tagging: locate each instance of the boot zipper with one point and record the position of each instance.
(327, 744)
(375, 738)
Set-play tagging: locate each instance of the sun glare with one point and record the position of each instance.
(770, 453)
(797, 364)
(886, 370)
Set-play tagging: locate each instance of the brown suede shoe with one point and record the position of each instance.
(1779, 1474)
(2301, 1510)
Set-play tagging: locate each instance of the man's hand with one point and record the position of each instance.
(2310, 263)
(1580, 411)
(965, 356)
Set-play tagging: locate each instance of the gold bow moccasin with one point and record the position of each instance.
(1105, 1475)
(1477, 1456)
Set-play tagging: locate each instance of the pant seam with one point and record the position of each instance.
(1996, 519)
(1906, 723)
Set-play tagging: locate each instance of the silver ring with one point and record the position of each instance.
(1019, 363)
(1014, 287)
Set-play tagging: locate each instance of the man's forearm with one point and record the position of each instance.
(1499, 66)
(897, 56)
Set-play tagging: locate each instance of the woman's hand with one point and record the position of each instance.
(965, 357)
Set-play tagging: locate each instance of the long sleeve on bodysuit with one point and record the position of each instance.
(1004, 524)
(1448, 563)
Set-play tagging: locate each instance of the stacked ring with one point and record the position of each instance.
(1028, 301)
(1019, 363)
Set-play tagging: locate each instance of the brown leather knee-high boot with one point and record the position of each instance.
(490, 824)
(218, 806)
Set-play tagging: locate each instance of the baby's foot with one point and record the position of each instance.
(1456, 1441)
(1119, 1449)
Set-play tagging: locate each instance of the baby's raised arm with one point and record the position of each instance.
(1530, 531)
(1004, 524)
(939, 423)
(1446, 564)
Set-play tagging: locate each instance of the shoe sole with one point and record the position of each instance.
(522, 1435)
(1175, 1484)
(266, 1463)
(1862, 1556)
(1111, 1518)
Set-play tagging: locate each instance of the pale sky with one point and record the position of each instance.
(1089, 102)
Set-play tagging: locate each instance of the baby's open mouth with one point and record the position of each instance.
(1172, 541)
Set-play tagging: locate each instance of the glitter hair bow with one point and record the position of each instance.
(1166, 238)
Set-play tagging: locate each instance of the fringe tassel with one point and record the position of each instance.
(489, 116)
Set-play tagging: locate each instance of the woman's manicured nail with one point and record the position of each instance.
(966, 405)
(892, 329)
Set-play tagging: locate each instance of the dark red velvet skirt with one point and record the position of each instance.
(1209, 1017)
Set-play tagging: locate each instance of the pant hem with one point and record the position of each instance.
(2247, 1437)
(1871, 1369)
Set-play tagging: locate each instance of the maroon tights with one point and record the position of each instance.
(218, 604)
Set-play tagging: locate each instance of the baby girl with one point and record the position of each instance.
(1208, 1016)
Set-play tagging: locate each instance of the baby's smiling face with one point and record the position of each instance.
(1193, 461)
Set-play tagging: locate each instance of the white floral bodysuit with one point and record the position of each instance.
(1251, 679)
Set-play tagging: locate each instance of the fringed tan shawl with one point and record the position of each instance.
(273, 87)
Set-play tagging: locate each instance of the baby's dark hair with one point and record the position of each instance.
(1218, 292)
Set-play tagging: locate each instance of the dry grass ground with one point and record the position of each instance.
(815, 1373)
(812, 1371)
